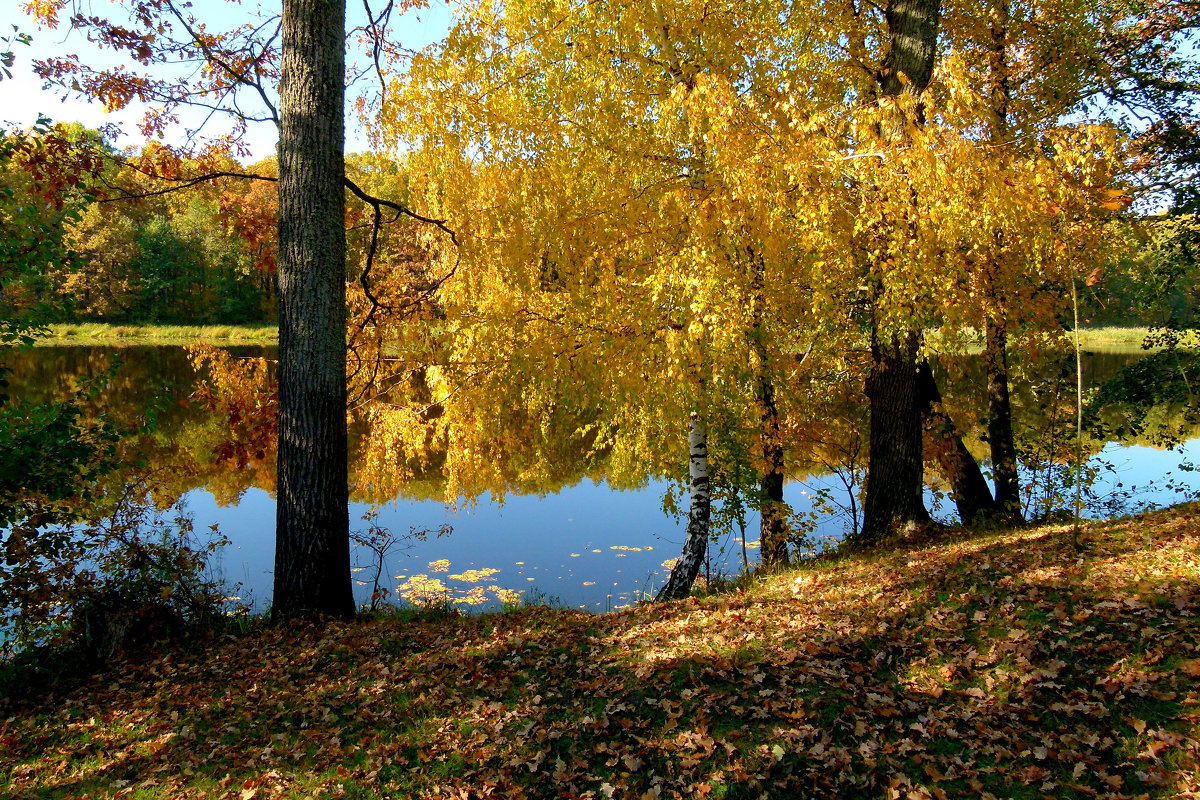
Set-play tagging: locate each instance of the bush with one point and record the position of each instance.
(110, 587)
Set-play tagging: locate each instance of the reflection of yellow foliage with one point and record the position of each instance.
(441, 565)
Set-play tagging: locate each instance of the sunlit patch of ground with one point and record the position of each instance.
(1003, 664)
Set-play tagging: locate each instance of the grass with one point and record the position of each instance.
(1107, 339)
(978, 664)
(1113, 340)
(1096, 340)
(94, 333)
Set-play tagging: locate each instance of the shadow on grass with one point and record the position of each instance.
(997, 665)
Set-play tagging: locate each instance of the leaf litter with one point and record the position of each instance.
(990, 664)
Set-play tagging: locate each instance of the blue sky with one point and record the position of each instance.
(23, 97)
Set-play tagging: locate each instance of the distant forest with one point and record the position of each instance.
(208, 255)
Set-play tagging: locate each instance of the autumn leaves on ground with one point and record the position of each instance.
(985, 664)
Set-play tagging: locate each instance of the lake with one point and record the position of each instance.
(585, 545)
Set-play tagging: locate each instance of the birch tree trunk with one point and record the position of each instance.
(312, 547)
(695, 543)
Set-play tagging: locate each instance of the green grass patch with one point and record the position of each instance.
(95, 333)
(1113, 340)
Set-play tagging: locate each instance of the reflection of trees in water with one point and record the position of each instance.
(148, 391)
(1151, 401)
(1043, 394)
(188, 444)
(1045, 416)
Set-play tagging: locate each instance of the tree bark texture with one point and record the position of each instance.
(912, 46)
(999, 422)
(895, 477)
(969, 489)
(772, 512)
(312, 550)
(695, 543)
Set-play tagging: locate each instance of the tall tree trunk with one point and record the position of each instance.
(895, 474)
(995, 350)
(972, 496)
(312, 547)
(695, 543)
(999, 423)
(912, 46)
(772, 531)
(896, 470)
(772, 512)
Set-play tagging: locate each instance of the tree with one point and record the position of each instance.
(627, 230)
(240, 66)
(896, 472)
(312, 549)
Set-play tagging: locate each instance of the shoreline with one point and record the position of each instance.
(1110, 339)
(93, 333)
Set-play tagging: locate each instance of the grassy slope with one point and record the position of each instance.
(93, 333)
(994, 664)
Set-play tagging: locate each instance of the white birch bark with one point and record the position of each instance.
(695, 545)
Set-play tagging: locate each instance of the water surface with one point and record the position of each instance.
(585, 545)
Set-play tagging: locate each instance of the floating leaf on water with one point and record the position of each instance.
(474, 575)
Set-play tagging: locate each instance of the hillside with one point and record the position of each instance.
(991, 664)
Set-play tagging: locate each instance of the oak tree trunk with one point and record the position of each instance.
(895, 477)
(995, 350)
(772, 511)
(695, 543)
(773, 529)
(312, 549)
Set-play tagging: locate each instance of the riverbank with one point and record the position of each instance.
(94, 333)
(1005, 664)
(1120, 340)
